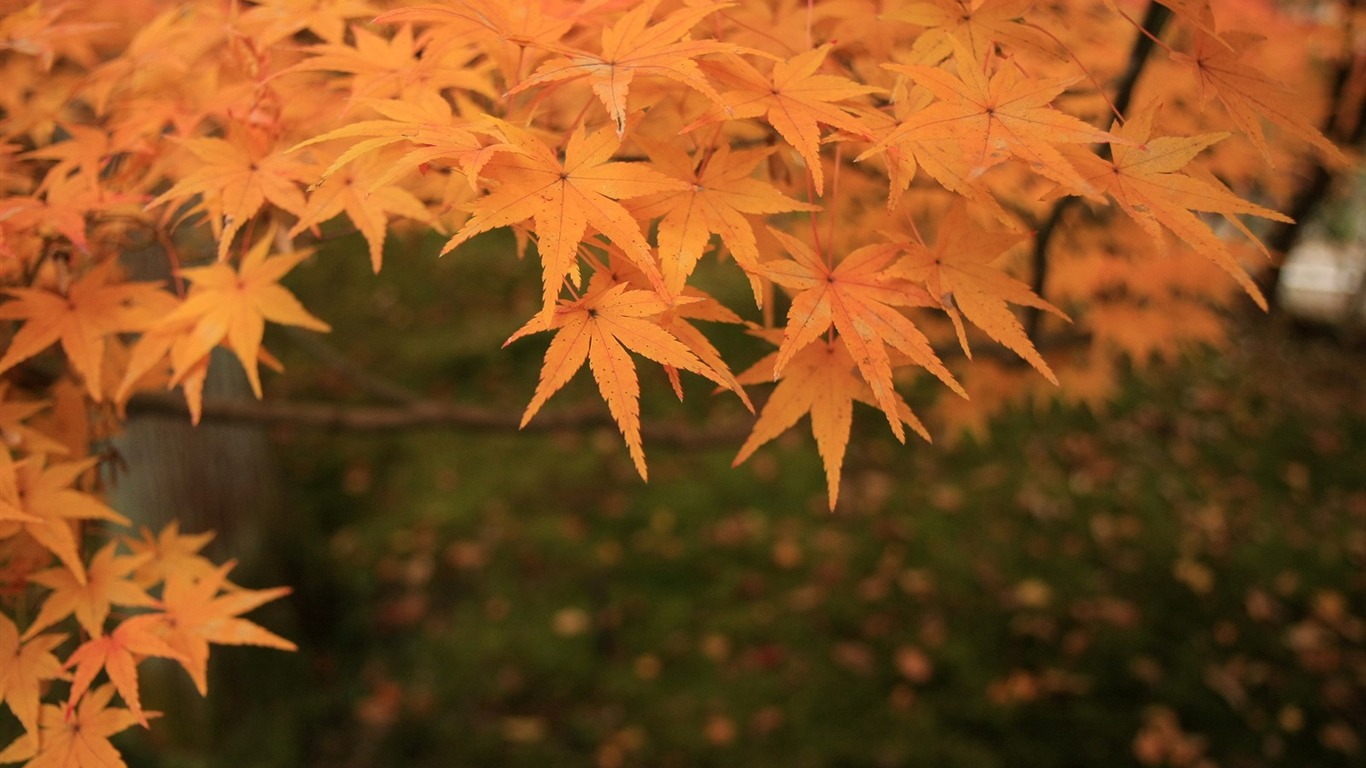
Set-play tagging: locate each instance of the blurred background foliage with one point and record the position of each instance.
(1178, 581)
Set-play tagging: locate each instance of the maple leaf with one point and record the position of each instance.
(509, 28)
(170, 551)
(959, 271)
(41, 499)
(106, 582)
(196, 614)
(564, 198)
(235, 177)
(858, 297)
(1146, 180)
(118, 654)
(978, 26)
(365, 203)
(34, 31)
(633, 47)
(23, 667)
(1248, 95)
(396, 68)
(13, 414)
(280, 19)
(795, 100)
(720, 192)
(694, 304)
(234, 304)
(94, 307)
(820, 380)
(994, 119)
(425, 119)
(79, 739)
(599, 329)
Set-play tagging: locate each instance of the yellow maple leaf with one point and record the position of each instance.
(234, 305)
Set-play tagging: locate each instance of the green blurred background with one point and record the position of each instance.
(1179, 581)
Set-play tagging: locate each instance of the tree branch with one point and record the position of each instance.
(425, 415)
(1153, 21)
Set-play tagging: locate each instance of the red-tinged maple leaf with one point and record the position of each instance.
(599, 329)
(720, 193)
(352, 191)
(234, 305)
(1249, 95)
(958, 270)
(994, 119)
(823, 381)
(171, 551)
(794, 99)
(23, 668)
(90, 310)
(196, 614)
(565, 198)
(978, 26)
(234, 179)
(118, 654)
(106, 583)
(1145, 178)
(75, 739)
(633, 47)
(41, 499)
(859, 297)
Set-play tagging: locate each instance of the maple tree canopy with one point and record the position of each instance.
(1001, 199)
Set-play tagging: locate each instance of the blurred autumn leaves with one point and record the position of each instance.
(1179, 588)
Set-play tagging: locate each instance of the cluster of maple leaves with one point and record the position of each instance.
(808, 145)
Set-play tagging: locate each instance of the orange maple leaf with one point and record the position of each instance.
(994, 119)
(720, 193)
(1248, 95)
(170, 551)
(633, 47)
(196, 614)
(118, 654)
(91, 309)
(424, 119)
(508, 28)
(366, 203)
(41, 499)
(821, 380)
(397, 67)
(234, 178)
(958, 270)
(858, 297)
(599, 329)
(976, 25)
(281, 19)
(563, 199)
(794, 99)
(23, 668)
(79, 739)
(106, 583)
(1145, 178)
(13, 431)
(234, 304)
